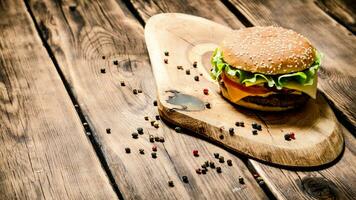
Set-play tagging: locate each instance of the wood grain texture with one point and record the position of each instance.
(337, 75)
(340, 177)
(44, 153)
(319, 140)
(79, 37)
(343, 11)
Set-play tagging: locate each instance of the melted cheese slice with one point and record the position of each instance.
(236, 94)
(307, 89)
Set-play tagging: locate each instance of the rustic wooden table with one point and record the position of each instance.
(56, 103)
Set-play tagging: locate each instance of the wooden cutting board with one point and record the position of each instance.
(181, 101)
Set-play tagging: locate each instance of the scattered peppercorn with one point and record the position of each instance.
(180, 67)
(206, 91)
(122, 83)
(146, 118)
(154, 148)
(102, 70)
(72, 7)
(151, 138)
(185, 179)
(287, 137)
(207, 105)
(198, 171)
(170, 183)
(254, 125)
(158, 117)
(139, 91)
(166, 53)
(206, 163)
(134, 135)
(142, 151)
(103, 57)
(218, 169)
(178, 129)
(154, 155)
(259, 127)
(134, 91)
(161, 139)
(221, 137)
(155, 103)
(231, 131)
(127, 150)
(156, 125)
(241, 180)
(204, 166)
(229, 162)
(108, 130)
(242, 124)
(196, 153)
(140, 130)
(212, 165)
(166, 61)
(203, 171)
(116, 62)
(187, 72)
(254, 132)
(152, 122)
(196, 78)
(221, 159)
(216, 155)
(157, 139)
(195, 63)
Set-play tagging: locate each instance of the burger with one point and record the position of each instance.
(266, 68)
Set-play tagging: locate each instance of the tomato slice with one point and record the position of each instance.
(252, 89)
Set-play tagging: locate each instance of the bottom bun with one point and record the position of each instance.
(256, 106)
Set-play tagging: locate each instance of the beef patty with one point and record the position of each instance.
(279, 100)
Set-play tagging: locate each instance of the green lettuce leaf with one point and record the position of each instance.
(306, 77)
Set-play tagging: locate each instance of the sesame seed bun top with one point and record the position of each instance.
(268, 50)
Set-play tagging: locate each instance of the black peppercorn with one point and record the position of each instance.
(157, 139)
(178, 129)
(196, 78)
(134, 91)
(122, 83)
(153, 122)
(254, 125)
(231, 131)
(154, 155)
(187, 72)
(242, 124)
(108, 131)
(180, 67)
(151, 138)
(254, 132)
(287, 137)
(142, 151)
(165, 61)
(207, 105)
(216, 155)
(154, 103)
(146, 118)
(134, 135)
(237, 123)
(185, 179)
(221, 159)
(158, 117)
(212, 165)
(166, 53)
(116, 62)
(127, 150)
(206, 163)
(103, 57)
(241, 180)
(140, 130)
(221, 137)
(203, 171)
(259, 127)
(170, 183)
(229, 162)
(102, 70)
(218, 169)
(161, 139)
(198, 171)
(195, 63)
(139, 91)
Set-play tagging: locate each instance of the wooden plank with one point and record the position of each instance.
(44, 153)
(184, 104)
(79, 37)
(337, 180)
(338, 74)
(343, 11)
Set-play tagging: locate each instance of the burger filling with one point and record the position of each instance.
(240, 84)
